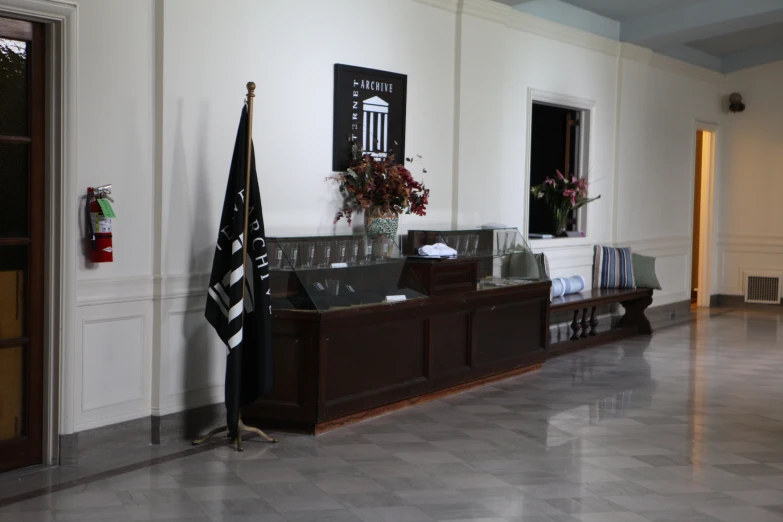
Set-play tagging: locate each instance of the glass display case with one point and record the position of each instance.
(502, 255)
(327, 273)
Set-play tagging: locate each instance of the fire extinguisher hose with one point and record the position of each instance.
(90, 225)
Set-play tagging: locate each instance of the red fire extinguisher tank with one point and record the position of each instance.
(101, 250)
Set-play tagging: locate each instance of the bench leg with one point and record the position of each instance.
(593, 322)
(634, 315)
(575, 326)
(584, 324)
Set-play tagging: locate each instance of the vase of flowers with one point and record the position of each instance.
(563, 195)
(381, 187)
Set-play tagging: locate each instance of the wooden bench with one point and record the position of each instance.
(585, 329)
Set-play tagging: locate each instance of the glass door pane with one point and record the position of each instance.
(15, 185)
(11, 392)
(13, 294)
(13, 86)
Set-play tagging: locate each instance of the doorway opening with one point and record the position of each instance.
(701, 248)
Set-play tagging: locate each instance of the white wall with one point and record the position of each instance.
(656, 146)
(499, 65)
(161, 87)
(750, 239)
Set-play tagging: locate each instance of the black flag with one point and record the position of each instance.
(248, 336)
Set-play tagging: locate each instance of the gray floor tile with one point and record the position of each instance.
(153, 496)
(751, 470)
(431, 496)
(392, 514)
(457, 511)
(618, 433)
(687, 515)
(209, 493)
(759, 497)
(370, 500)
(556, 490)
(342, 485)
(583, 505)
(179, 510)
(742, 513)
(338, 515)
(520, 507)
(221, 509)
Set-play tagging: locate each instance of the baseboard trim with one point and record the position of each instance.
(153, 430)
(737, 301)
(672, 314)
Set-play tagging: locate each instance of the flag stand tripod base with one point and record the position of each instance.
(237, 441)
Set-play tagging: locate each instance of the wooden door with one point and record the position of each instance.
(22, 197)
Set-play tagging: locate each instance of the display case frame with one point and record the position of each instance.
(334, 272)
(487, 258)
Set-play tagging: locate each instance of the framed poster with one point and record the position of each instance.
(369, 108)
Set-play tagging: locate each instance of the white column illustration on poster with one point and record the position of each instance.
(375, 131)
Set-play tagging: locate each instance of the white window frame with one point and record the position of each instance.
(587, 109)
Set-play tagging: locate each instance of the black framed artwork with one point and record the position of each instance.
(369, 108)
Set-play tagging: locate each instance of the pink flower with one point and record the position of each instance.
(559, 174)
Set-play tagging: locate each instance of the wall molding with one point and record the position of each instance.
(672, 65)
(87, 415)
(662, 246)
(115, 290)
(734, 251)
(525, 22)
(452, 6)
(521, 21)
(744, 243)
(112, 319)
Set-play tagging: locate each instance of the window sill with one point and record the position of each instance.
(559, 242)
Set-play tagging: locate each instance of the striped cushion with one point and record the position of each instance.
(612, 268)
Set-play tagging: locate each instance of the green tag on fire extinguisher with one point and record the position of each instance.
(106, 208)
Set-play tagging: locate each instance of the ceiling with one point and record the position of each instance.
(722, 35)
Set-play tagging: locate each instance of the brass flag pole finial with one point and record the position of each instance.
(251, 89)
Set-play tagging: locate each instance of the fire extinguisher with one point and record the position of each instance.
(99, 214)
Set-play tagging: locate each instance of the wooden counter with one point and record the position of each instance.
(340, 366)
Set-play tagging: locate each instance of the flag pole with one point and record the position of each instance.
(251, 93)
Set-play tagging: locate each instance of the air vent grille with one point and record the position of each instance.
(762, 289)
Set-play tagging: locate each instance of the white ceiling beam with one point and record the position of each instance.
(698, 21)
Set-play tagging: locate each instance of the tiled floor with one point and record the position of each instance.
(685, 427)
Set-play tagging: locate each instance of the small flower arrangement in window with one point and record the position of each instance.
(563, 195)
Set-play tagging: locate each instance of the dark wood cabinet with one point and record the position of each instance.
(445, 276)
(337, 366)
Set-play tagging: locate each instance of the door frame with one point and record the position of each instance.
(706, 228)
(62, 211)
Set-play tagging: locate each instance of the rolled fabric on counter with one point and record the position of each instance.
(567, 285)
